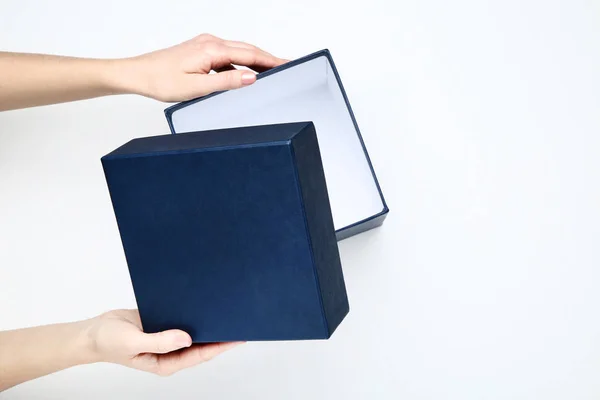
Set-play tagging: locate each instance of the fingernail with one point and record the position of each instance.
(248, 78)
(184, 341)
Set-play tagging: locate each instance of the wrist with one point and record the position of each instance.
(123, 76)
(84, 349)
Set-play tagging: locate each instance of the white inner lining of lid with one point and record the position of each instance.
(306, 92)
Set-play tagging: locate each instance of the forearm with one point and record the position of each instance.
(29, 353)
(28, 80)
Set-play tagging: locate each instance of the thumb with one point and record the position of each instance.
(163, 342)
(226, 80)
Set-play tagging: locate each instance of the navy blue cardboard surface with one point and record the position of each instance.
(306, 89)
(228, 234)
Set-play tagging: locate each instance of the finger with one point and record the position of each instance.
(170, 363)
(251, 58)
(224, 81)
(133, 316)
(244, 45)
(162, 342)
(205, 37)
(241, 45)
(210, 351)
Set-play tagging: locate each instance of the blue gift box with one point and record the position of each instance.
(228, 234)
(307, 89)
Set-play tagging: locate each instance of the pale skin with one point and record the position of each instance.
(178, 73)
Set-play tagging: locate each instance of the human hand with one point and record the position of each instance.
(182, 72)
(178, 73)
(117, 337)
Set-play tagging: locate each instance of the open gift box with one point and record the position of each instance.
(307, 89)
(230, 226)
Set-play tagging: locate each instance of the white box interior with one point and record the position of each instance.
(306, 92)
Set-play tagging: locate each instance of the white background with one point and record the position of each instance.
(483, 122)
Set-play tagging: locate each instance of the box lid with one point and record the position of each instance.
(307, 89)
(228, 234)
